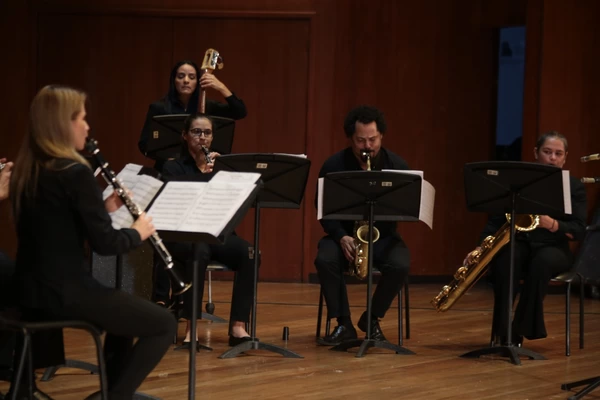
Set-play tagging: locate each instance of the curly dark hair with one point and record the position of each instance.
(365, 115)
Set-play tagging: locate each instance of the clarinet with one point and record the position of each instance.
(179, 286)
(207, 155)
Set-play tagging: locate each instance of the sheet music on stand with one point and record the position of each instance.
(423, 211)
(186, 206)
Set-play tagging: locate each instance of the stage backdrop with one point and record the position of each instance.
(300, 66)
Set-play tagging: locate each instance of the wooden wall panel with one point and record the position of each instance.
(123, 64)
(432, 74)
(568, 83)
(17, 82)
(265, 63)
(300, 65)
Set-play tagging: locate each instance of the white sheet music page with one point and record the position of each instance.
(128, 177)
(320, 198)
(202, 207)
(567, 191)
(216, 207)
(141, 188)
(174, 203)
(427, 203)
(427, 196)
(241, 177)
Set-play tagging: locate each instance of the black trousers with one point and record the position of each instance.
(535, 265)
(237, 254)
(392, 258)
(123, 317)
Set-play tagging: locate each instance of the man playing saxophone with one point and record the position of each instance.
(364, 126)
(539, 254)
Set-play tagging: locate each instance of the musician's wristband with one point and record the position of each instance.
(553, 223)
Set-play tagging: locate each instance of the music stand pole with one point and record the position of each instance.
(365, 344)
(193, 319)
(254, 343)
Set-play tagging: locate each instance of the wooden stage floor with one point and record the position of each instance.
(435, 372)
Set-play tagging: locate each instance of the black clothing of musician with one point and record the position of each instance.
(62, 211)
(236, 253)
(185, 85)
(539, 255)
(183, 97)
(365, 127)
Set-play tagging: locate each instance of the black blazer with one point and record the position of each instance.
(52, 229)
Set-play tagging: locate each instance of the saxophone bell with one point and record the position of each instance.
(477, 261)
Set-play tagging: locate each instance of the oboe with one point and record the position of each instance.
(179, 286)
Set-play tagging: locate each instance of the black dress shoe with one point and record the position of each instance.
(340, 333)
(234, 341)
(376, 332)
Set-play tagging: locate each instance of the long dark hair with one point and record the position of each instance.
(172, 96)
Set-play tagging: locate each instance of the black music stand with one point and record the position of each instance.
(370, 195)
(165, 141)
(514, 188)
(284, 180)
(194, 238)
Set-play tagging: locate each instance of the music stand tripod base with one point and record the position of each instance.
(186, 346)
(365, 344)
(592, 383)
(513, 352)
(257, 345)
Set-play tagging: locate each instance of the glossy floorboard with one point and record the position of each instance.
(435, 372)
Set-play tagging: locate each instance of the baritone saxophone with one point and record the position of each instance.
(476, 262)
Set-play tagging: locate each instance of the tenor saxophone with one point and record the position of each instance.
(360, 266)
(477, 261)
(178, 285)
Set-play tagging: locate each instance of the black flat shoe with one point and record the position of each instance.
(376, 332)
(340, 334)
(234, 341)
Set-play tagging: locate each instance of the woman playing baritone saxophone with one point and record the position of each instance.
(539, 254)
(58, 207)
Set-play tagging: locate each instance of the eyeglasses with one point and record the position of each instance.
(199, 132)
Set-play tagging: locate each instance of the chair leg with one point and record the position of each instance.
(568, 319)
(581, 313)
(319, 314)
(102, 364)
(19, 374)
(210, 306)
(400, 330)
(406, 308)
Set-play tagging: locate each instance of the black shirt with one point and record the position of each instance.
(346, 161)
(234, 109)
(184, 166)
